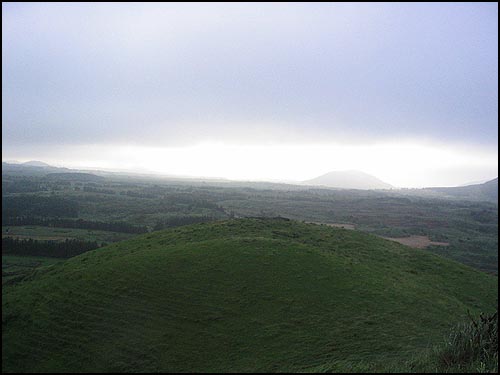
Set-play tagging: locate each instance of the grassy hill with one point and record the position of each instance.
(487, 191)
(239, 295)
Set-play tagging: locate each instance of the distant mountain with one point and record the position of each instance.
(349, 180)
(487, 191)
(30, 168)
(474, 183)
(35, 163)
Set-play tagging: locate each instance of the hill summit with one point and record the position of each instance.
(245, 295)
(35, 163)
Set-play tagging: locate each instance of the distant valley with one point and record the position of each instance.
(351, 179)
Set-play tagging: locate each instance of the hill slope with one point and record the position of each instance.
(240, 295)
(487, 191)
(349, 180)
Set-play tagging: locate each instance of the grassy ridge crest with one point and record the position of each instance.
(240, 295)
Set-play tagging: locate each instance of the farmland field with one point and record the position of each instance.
(419, 242)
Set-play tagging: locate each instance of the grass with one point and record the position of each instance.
(239, 296)
(15, 268)
(472, 346)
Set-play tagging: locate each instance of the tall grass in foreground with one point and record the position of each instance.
(472, 346)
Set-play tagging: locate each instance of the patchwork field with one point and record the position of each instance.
(128, 205)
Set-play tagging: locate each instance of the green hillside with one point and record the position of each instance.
(240, 295)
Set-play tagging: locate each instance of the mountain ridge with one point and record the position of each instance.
(486, 191)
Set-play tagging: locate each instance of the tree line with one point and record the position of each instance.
(78, 223)
(32, 205)
(58, 249)
(91, 189)
(177, 221)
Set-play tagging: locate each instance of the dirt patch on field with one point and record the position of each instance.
(418, 242)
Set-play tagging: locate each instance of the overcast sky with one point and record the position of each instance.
(408, 92)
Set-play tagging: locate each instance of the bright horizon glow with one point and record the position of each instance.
(401, 164)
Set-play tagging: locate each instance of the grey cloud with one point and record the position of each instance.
(173, 74)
